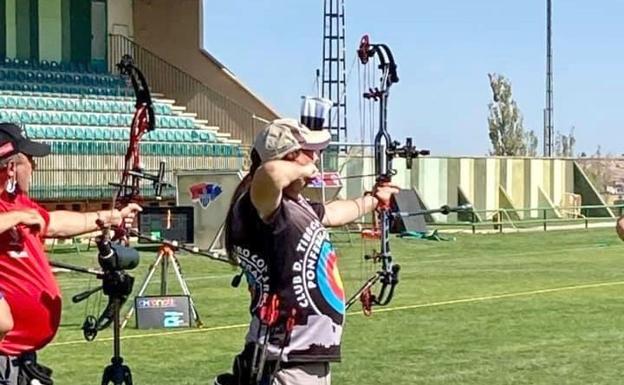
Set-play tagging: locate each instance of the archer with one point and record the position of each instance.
(26, 280)
(280, 240)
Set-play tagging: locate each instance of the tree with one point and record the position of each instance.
(531, 142)
(564, 144)
(599, 169)
(505, 125)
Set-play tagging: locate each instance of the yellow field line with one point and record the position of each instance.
(377, 310)
(170, 333)
(498, 296)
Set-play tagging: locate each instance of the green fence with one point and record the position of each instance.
(502, 219)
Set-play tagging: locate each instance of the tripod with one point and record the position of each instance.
(116, 373)
(165, 257)
(117, 285)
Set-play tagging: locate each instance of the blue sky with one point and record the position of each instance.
(444, 51)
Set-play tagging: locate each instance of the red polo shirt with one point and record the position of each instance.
(28, 285)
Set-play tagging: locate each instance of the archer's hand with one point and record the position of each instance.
(127, 214)
(383, 192)
(310, 171)
(32, 219)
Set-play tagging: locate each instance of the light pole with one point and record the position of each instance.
(548, 111)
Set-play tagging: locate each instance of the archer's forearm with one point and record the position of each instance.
(65, 224)
(341, 212)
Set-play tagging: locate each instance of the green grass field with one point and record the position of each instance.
(530, 308)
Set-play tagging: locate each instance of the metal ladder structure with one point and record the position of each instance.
(334, 79)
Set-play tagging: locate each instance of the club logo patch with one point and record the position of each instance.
(205, 193)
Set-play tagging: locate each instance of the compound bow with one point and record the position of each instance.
(385, 151)
(115, 237)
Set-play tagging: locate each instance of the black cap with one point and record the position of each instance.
(13, 140)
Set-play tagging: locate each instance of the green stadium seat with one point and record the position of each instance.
(40, 132)
(31, 102)
(60, 104)
(50, 104)
(66, 118)
(22, 103)
(97, 134)
(82, 133)
(106, 134)
(40, 104)
(193, 135)
(11, 102)
(70, 133)
(55, 118)
(36, 117)
(93, 119)
(84, 119)
(110, 120)
(24, 117)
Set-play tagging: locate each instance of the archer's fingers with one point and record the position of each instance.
(129, 220)
(135, 207)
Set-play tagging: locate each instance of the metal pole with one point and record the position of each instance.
(548, 116)
(474, 230)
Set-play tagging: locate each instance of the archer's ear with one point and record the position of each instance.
(11, 168)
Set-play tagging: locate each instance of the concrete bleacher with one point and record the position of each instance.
(85, 113)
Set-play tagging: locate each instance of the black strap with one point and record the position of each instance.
(30, 370)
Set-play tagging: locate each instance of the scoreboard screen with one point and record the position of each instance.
(173, 223)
